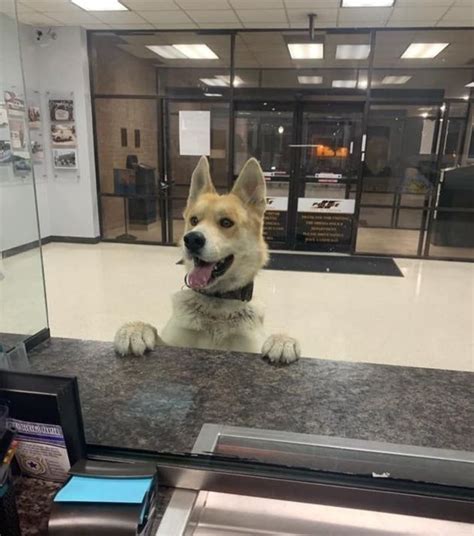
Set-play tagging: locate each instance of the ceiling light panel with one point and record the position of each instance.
(367, 3)
(100, 5)
(214, 82)
(166, 51)
(423, 50)
(344, 83)
(197, 52)
(395, 80)
(306, 51)
(310, 79)
(352, 52)
(471, 84)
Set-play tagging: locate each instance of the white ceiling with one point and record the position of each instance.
(223, 14)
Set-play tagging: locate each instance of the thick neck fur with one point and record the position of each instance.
(218, 318)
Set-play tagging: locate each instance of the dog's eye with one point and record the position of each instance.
(225, 222)
(193, 220)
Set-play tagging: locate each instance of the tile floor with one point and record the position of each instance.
(425, 319)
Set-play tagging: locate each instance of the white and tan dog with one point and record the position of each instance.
(223, 250)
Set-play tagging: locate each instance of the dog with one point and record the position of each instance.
(223, 251)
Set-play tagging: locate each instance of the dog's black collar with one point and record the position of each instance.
(243, 294)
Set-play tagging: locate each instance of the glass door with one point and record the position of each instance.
(194, 128)
(325, 190)
(264, 130)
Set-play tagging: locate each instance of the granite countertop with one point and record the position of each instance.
(160, 401)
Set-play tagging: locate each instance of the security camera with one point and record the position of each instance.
(44, 37)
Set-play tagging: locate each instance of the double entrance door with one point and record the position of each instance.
(311, 157)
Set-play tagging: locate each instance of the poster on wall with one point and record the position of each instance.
(275, 220)
(63, 135)
(37, 151)
(21, 164)
(64, 158)
(194, 133)
(5, 152)
(325, 224)
(14, 102)
(34, 116)
(3, 115)
(61, 110)
(17, 133)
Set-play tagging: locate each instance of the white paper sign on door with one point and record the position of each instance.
(194, 133)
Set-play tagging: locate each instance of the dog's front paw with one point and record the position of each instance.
(136, 338)
(281, 349)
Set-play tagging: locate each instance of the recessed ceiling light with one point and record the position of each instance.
(166, 51)
(367, 3)
(197, 52)
(306, 51)
(471, 84)
(395, 79)
(310, 79)
(100, 5)
(423, 50)
(344, 83)
(226, 79)
(215, 82)
(352, 52)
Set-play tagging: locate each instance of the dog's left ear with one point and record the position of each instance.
(250, 186)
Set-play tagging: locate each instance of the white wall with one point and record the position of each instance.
(69, 207)
(18, 223)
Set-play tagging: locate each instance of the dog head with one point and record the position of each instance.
(223, 241)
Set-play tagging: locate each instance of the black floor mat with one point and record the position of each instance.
(295, 262)
(334, 264)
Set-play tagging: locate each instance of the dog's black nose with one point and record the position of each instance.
(194, 241)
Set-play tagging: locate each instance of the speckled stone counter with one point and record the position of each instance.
(161, 401)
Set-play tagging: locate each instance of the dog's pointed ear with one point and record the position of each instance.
(201, 182)
(250, 186)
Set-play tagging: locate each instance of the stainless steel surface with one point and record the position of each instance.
(177, 514)
(439, 466)
(223, 501)
(235, 515)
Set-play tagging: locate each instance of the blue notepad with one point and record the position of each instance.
(104, 490)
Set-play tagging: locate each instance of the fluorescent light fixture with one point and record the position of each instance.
(424, 114)
(310, 79)
(423, 50)
(395, 80)
(213, 94)
(352, 52)
(367, 3)
(306, 51)
(197, 52)
(465, 97)
(166, 51)
(362, 83)
(344, 83)
(226, 80)
(214, 82)
(471, 84)
(100, 5)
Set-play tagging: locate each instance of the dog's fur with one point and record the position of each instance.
(205, 321)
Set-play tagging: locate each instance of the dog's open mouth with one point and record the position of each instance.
(204, 273)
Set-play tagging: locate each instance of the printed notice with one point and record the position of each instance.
(275, 223)
(194, 133)
(41, 451)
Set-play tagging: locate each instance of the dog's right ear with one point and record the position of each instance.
(201, 182)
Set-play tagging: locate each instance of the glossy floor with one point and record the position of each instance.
(424, 319)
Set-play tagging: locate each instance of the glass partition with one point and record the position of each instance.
(22, 294)
(366, 164)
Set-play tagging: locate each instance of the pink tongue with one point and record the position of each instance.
(200, 276)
